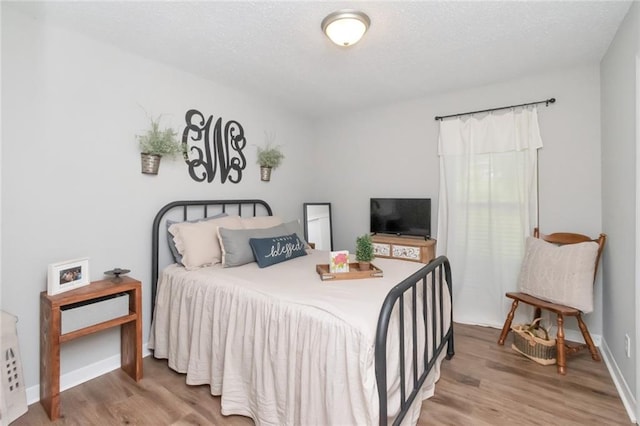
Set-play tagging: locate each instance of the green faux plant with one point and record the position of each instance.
(269, 156)
(159, 142)
(364, 248)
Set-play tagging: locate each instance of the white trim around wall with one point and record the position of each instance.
(576, 336)
(84, 374)
(622, 386)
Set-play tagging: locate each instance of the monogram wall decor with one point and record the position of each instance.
(209, 148)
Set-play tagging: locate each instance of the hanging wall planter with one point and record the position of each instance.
(265, 174)
(150, 163)
(269, 158)
(157, 143)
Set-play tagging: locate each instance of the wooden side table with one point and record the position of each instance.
(51, 334)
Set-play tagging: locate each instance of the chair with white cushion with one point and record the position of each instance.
(557, 274)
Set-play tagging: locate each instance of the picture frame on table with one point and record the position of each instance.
(339, 261)
(67, 275)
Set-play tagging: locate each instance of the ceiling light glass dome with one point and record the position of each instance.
(345, 27)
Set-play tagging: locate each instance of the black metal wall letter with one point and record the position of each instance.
(213, 148)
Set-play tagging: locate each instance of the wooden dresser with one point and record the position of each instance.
(416, 249)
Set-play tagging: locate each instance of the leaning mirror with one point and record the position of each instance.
(317, 225)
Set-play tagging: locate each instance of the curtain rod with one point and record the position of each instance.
(546, 101)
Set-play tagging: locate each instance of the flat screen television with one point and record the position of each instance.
(401, 216)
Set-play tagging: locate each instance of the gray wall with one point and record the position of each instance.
(391, 151)
(619, 194)
(71, 181)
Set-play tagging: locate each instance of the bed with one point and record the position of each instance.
(281, 346)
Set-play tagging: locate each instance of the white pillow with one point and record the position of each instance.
(198, 242)
(559, 274)
(172, 244)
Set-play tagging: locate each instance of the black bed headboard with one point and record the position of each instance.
(209, 208)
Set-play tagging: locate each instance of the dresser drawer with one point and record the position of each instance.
(381, 249)
(405, 248)
(407, 252)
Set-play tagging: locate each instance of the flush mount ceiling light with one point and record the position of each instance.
(345, 27)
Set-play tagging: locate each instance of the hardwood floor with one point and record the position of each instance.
(484, 384)
(488, 384)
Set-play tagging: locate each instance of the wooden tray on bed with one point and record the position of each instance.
(354, 272)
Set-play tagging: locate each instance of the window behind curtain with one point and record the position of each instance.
(488, 204)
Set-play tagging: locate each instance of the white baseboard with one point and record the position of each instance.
(84, 374)
(625, 393)
(576, 336)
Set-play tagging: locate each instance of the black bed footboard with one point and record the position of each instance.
(430, 302)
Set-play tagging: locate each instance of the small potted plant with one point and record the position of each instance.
(155, 144)
(364, 252)
(269, 158)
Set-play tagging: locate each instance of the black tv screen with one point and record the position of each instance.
(401, 216)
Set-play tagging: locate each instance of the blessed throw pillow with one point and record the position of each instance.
(234, 243)
(198, 242)
(177, 257)
(269, 251)
(559, 274)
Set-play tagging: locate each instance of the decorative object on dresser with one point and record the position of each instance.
(155, 144)
(67, 275)
(115, 273)
(53, 332)
(269, 158)
(364, 251)
(406, 248)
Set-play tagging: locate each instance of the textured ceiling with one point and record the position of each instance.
(277, 49)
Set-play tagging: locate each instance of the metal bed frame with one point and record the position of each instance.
(218, 206)
(438, 271)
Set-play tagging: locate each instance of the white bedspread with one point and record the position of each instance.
(278, 344)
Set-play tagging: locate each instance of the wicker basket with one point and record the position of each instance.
(534, 343)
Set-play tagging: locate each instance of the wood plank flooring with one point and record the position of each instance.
(484, 384)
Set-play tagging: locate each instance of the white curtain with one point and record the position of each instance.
(487, 206)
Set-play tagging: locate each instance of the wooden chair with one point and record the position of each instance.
(561, 311)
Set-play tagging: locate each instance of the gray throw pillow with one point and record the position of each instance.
(236, 250)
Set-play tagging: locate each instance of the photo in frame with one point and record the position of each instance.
(67, 275)
(339, 261)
